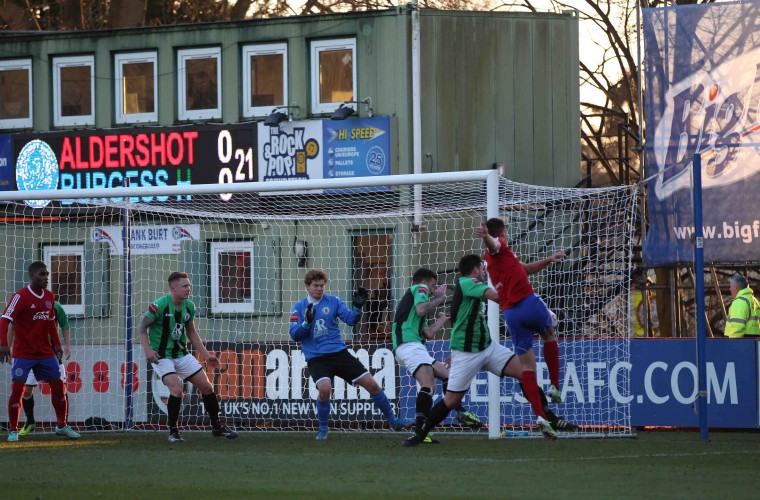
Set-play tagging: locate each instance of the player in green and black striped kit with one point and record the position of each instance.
(471, 347)
(165, 331)
(410, 333)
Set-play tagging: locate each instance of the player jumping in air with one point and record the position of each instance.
(524, 313)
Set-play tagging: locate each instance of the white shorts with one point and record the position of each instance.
(32, 380)
(185, 367)
(412, 355)
(465, 365)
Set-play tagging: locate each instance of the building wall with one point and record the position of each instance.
(502, 89)
(497, 88)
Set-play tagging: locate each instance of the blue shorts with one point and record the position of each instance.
(44, 369)
(526, 318)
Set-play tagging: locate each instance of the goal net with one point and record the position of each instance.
(247, 247)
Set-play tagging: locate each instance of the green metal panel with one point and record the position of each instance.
(494, 84)
(543, 105)
(97, 279)
(195, 262)
(495, 81)
(503, 101)
(448, 118)
(523, 97)
(267, 276)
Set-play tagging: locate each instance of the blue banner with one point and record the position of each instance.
(664, 383)
(703, 96)
(358, 147)
(6, 163)
(601, 384)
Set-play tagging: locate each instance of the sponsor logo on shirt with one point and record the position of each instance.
(42, 315)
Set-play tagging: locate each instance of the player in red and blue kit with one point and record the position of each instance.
(36, 347)
(314, 323)
(524, 314)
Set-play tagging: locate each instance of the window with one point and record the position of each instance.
(65, 264)
(333, 74)
(16, 94)
(199, 81)
(232, 277)
(372, 263)
(136, 88)
(73, 91)
(265, 78)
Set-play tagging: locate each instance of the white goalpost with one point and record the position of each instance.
(247, 246)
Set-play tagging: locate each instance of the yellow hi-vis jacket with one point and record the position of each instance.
(743, 315)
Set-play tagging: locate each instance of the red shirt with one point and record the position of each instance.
(33, 318)
(508, 276)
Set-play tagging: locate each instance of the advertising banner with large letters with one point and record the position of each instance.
(267, 384)
(702, 96)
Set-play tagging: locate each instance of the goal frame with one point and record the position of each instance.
(489, 202)
(489, 177)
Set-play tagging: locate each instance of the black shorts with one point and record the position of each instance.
(340, 363)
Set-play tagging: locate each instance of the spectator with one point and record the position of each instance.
(643, 317)
(744, 312)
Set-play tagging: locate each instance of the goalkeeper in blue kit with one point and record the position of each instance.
(314, 323)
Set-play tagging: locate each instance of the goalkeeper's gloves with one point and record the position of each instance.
(360, 297)
(309, 316)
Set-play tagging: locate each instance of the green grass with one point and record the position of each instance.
(375, 465)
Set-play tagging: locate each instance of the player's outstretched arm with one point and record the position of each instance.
(491, 243)
(538, 265)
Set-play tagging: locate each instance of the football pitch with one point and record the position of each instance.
(375, 465)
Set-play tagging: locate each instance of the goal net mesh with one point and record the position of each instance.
(247, 254)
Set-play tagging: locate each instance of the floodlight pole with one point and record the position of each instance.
(699, 296)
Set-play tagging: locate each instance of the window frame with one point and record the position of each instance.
(51, 250)
(249, 51)
(72, 61)
(217, 247)
(20, 123)
(184, 114)
(316, 48)
(129, 58)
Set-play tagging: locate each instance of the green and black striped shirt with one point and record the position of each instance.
(168, 334)
(470, 331)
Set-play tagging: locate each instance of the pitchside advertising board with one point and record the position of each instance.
(703, 96)
(197, 154)
(267, 384)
